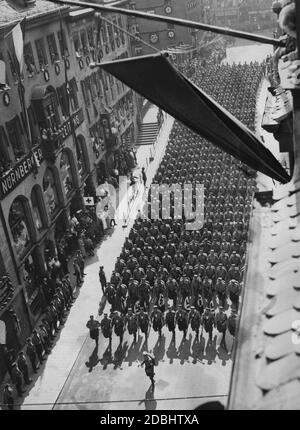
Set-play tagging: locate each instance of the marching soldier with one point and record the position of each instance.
(220, 288)
(170, 320)
(157, 320)
(118, 323)
(181, 319)
(234, 292)
(208, 322)
(232, 323)
(133, 293)
(143, 322)
(110, 295)
(221, 324)
(132, 324)
(93, 326)
(106, 327)
(207, 286)
(121, 295)
(194, 319)
(144, 292)
(160, 293)
(172, 290)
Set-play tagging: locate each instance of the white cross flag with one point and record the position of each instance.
(89, 201)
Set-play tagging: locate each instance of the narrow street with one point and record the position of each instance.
(76, 376)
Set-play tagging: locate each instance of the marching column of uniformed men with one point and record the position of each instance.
(140, 321)
(198, 270)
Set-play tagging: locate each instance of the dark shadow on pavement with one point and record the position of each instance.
(93, 360)
(107, 357)
(172, 350)
(120, 354)
(150, 402)
(223, 354)
(198, 348)
(144, 348)
(211, 352)
(133, 351)
(159, 348)
(184, 349)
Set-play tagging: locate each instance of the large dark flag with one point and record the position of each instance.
(156, 79)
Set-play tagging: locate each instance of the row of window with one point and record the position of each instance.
(87, 39)
(42, 55)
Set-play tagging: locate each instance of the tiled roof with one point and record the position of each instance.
(275, 346)
(9, 12)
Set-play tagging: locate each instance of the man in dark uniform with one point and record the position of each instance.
(170, 320)
(143, 322)
(232, 323)
(194, 319)
(102, 278)
(93, 326)
(182, 320)
(106, 327)
(149, 362)
(208, 291)
(132, 324)
(172, 290)
(133, 293)
(23, 366)
(144, 292)
(118, 323)
(208, 322)
(121, 296)
(220, 288)
(157, 320)
(160, 293)
(234, 292)
(110, 295)
(221, 324)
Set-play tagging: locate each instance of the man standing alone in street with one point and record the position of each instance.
(102, 278)
(93, 325)
(144, 176)
(149, 362)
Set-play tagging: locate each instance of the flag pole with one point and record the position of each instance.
(176, 21)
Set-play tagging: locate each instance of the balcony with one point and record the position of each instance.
(53, 140)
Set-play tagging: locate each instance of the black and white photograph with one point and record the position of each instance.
(149, 208)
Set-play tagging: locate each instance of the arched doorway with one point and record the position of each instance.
(50, 193)
(18, 220)
(38, 207)
(67, 172)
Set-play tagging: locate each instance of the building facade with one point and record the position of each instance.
(163, 35)
(62, 124)
(247, 15)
